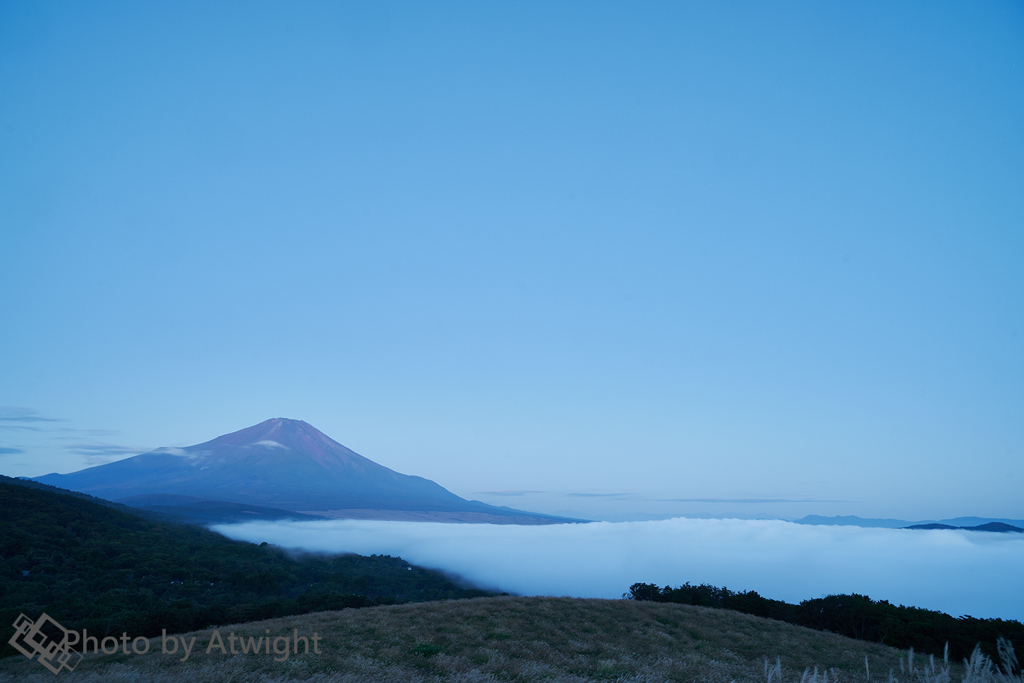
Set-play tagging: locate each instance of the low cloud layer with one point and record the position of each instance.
(958, 572)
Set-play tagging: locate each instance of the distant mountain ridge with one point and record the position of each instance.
(996, 524)
(997, 527)
(286, 465)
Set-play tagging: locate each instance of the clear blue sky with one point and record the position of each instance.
(625, 255)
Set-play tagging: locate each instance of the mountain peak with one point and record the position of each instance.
(268, 429)
(279, 463)
(284, 440)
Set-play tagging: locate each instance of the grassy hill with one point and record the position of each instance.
(514, 639)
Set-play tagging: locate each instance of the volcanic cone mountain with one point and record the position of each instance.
(286, 465)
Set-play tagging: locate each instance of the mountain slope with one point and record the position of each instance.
(282, 464)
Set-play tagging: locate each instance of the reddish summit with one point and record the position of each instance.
(298, 437)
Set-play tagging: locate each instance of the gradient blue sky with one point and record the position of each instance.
(603, 257)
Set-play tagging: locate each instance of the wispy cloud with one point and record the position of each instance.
(267, 443)
(49, 434)
(506, 493)
(29, 420)
(747, 500)
(647, 498)
(102, 453)
(79, 433)
(596, 495)
(101, 449)
(180, 452)
(16, 414)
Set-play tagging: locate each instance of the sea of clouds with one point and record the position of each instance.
(957, 572)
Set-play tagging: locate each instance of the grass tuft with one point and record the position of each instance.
(426, 650)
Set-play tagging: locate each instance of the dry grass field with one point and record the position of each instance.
(511, 639)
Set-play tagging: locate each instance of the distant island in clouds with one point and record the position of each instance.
(278, 469)
(962, 523)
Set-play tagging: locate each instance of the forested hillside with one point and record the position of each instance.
(91, 566)
(854, 616)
